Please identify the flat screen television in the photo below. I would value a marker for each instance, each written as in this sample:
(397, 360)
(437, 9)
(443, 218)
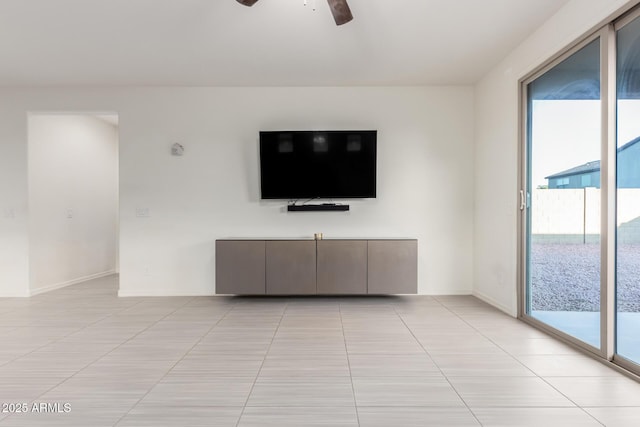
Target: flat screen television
(318, 164)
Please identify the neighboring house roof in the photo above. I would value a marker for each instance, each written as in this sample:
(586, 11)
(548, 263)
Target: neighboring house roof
(629, 144)
(578, 170)
(590, 166)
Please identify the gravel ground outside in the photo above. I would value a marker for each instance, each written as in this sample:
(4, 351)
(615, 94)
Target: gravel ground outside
(566, 277)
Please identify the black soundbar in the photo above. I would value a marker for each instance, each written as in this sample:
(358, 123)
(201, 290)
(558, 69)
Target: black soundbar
(311, 208)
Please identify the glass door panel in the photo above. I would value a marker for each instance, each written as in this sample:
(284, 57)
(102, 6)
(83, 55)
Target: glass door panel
(628, 193)
(563, 196)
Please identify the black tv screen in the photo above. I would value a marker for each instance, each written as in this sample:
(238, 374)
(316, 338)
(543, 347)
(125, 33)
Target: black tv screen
(318, 164)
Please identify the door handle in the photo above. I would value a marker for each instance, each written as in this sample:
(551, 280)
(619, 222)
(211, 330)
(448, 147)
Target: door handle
(522, 201)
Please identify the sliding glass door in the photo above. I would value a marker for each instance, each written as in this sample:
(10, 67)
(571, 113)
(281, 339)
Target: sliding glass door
(563, 195)
(628, 192)
(581, 194)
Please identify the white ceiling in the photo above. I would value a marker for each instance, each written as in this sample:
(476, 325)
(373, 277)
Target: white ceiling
(274, 43)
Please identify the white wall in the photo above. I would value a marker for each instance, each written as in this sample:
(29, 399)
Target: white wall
(73, 199)
(14, 241)
(496, 148)
(425, 174)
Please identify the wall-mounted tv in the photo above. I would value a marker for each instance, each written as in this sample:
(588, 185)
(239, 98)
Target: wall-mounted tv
(318, 164)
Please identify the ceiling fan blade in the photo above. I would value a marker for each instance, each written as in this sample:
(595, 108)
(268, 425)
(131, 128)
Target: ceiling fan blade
(340, 10)
(247, 2)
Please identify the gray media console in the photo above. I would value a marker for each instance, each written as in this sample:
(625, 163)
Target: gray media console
(311, 267)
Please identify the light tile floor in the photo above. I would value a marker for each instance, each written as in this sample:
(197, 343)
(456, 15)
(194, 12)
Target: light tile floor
(233, 361)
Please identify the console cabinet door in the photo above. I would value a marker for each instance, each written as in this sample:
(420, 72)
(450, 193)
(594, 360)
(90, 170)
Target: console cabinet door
(240, 267)
(291, 267)
(393, 267)
(342, 267)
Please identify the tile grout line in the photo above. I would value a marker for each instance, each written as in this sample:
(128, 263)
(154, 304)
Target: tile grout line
(70, 334)
(520, 362)
(120, 345)
(353, 389)
(438, 366)
(65, 336)
(178, 361)
(479, 322)
(110, 351)
(264, 359)
(41, 300)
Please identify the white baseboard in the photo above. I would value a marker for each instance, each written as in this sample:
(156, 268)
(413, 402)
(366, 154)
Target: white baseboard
(161, 294)
(14, 294)
(60, 285)
(494, 303)
(442, 292)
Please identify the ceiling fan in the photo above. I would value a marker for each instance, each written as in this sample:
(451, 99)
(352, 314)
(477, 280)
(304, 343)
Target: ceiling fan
(339, 9)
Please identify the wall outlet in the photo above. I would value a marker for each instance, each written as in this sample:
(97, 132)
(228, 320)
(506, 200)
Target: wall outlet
(143, 212)
(9, 213)
(69, 213)
(147, 271)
